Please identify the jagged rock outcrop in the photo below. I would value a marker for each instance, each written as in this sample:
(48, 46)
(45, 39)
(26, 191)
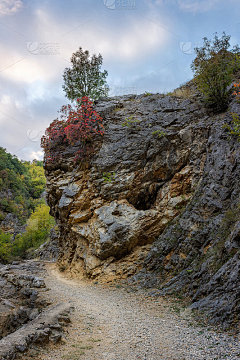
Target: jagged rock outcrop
(105, 218)
(12, 225)
(198, 255)
(26, 319)
(44, 328)
(163, 178)
(49, 250)
(20, 295)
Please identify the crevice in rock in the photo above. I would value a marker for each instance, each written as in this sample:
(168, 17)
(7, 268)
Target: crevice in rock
(72, 253)
(146, 197)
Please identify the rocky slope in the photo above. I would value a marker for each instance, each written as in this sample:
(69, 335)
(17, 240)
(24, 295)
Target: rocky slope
(27, 319)
(159, 199)
(50, 249)
(11, 225)
(20, 295)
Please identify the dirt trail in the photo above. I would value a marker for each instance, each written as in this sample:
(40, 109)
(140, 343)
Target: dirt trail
(115, 323)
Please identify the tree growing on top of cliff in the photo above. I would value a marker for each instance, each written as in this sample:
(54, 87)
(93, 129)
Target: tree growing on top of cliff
(84, 77)
(214, 68)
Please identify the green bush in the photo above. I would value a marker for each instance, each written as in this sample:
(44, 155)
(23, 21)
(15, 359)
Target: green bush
(21, 184)
(159, 133)
(5, 246)
(214, 68)
(2, 216)
(37, 232)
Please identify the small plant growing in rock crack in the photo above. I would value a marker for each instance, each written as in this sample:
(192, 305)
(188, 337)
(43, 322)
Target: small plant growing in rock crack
(94, 340)
(117, 109)
(236, 126)
(62, 268)
(108, 177)
(159, 133)
(147, 93)
(235, 129)
(237, 91)
(129, 122)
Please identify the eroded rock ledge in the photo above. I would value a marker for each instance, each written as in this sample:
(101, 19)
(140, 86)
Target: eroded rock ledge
(26, 318)
(169, 216)
(21, 300)
(46, 327)
(157, 158)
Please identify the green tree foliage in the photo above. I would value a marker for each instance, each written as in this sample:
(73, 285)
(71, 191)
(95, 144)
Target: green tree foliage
(37, 232)
(21, 184)
(37, 176)
(84, 77)
(5, 246)
(214, 68)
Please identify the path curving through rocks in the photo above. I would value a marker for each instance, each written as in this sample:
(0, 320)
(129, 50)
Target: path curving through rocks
(114, 322)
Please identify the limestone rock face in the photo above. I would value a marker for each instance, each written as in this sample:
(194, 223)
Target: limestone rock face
(142, 175)
(50, 249)
(158, 202)
(197, 255)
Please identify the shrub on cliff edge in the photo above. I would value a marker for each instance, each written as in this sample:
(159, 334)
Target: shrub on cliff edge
(214, 68)
(78, 125)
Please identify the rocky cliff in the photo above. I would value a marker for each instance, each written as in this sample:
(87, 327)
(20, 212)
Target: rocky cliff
(157, 202)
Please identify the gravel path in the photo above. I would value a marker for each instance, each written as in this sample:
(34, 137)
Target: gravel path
(115, 323)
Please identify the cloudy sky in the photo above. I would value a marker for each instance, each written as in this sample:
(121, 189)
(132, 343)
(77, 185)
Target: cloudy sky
(147, 45)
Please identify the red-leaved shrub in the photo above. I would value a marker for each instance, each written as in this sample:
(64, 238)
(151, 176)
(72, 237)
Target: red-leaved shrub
(77, 126)
(237, 90)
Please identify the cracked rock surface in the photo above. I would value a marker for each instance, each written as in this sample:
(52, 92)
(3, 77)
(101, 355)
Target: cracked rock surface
(21, 287)
(100, 219)
(26, 319)
(163, 185)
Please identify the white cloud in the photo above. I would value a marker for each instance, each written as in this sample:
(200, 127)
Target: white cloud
(153, 3)
(5, 100)
(196, 5)
(184, 5)
(139, 39)
(132, 45)
(21, 66)
(10, 7)
(38, 155)
(37, 93)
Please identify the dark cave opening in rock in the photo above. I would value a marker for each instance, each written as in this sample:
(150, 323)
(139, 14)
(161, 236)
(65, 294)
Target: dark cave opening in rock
(145, 198)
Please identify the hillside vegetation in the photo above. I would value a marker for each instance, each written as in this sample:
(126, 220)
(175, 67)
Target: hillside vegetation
(21, 185)
(25, 222)
(37, 232)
